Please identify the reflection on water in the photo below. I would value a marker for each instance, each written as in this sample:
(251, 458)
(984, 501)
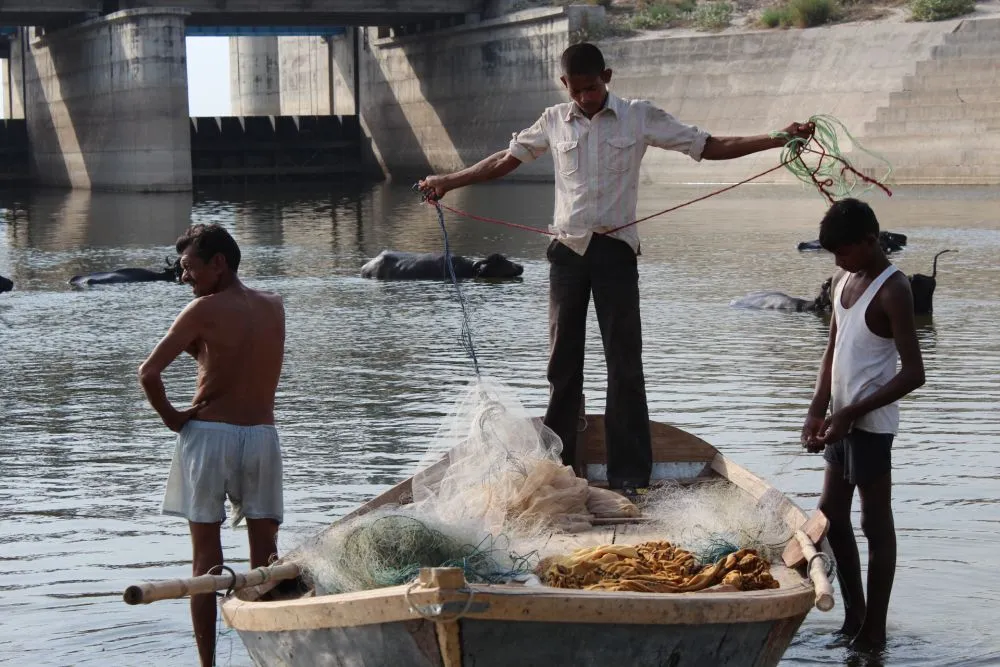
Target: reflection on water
(372, 368)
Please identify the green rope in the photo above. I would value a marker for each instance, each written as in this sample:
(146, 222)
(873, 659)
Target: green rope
(833, 175)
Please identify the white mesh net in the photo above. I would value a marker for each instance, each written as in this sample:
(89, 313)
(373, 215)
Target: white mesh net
(490, 483)
(713, 518)
(493, 463)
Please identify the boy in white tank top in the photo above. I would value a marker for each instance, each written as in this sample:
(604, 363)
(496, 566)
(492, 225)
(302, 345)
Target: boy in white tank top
(871, 328)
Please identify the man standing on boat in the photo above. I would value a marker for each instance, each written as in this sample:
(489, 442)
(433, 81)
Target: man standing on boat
(859, 382)
(598, 142)
(227, 444)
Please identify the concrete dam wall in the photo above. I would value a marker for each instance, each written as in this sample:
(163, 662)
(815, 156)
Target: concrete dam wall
(444, 100)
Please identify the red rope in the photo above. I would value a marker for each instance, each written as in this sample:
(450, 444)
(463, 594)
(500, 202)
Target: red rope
(710, 194)
(821, 185)
(483, 218)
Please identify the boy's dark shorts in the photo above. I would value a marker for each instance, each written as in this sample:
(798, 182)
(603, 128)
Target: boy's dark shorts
(864, 456)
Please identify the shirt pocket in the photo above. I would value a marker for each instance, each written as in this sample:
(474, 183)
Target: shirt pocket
(568, 156)
(620, 154)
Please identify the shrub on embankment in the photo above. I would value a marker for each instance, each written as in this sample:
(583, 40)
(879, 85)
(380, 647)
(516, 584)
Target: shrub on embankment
(713, 16)
(940, 10)
(666, 14)
(811, 13)
(626, 17)
(623, 20)
(799, 13)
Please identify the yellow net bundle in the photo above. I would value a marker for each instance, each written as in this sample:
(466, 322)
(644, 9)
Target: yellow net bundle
(653, 567)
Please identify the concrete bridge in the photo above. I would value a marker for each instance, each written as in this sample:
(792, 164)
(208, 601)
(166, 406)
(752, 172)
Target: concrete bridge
(102, 85)
(242, 12)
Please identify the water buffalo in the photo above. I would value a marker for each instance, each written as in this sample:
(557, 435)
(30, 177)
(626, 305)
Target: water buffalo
(6, 284)
(393, 265)
(889, 241)
(921, 285)
(781, 301)
(923, 289)
(171, 273)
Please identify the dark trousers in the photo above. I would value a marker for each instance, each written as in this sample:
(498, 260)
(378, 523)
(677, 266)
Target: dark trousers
(609, 270)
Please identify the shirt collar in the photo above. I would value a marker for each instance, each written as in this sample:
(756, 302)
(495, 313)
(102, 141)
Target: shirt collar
(612, 103)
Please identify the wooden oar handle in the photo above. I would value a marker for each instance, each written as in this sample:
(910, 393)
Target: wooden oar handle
(207, 583)
(824, 590)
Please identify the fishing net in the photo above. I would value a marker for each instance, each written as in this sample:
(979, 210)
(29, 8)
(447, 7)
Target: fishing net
(820, 161)
(491, 481)
(654, 567)
(388, 547)
(494, 464)
(715, 518)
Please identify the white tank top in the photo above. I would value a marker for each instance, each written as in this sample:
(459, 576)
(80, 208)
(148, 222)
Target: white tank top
(862, 361)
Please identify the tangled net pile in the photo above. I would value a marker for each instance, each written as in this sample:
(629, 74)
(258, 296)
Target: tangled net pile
(654, 567)
(715, 518)
(492, 480)
(495, 465)
(832, 174)
(493, 483)
(388, 548)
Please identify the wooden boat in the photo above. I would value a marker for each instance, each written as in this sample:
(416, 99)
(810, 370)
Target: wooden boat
(442, 621)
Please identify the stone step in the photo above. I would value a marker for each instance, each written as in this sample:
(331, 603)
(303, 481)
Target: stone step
(951, 81)
(983, 65)
(967, 94)
(926, 149)
(971, 31)
(955, 110)
(978, 25)
(943, 128)
(970, 50)
(965, 38)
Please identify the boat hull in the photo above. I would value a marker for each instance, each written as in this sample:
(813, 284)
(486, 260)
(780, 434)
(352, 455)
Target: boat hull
(442, 621)
(490, 643)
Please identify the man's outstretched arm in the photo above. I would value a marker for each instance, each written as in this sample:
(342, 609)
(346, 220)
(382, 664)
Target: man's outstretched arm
(525, 146)
(497, 165)
(728, 148)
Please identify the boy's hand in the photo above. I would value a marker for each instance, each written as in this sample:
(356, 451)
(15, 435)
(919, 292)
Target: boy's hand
(433, 187)
(835, 427)
(810, 432)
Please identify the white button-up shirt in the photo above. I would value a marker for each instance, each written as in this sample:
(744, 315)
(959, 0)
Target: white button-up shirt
(597, 162)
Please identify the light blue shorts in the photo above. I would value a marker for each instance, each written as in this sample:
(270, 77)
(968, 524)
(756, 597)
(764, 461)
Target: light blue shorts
(214, 460)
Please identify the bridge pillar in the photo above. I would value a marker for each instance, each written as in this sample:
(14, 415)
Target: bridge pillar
(106, 103)
(13, 79)
(254, 76)
(273, 76)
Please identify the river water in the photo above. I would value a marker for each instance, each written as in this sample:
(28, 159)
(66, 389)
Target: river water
(373, 368)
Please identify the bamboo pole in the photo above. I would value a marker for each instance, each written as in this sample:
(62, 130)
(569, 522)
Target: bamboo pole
(824, 591)
(207, 583)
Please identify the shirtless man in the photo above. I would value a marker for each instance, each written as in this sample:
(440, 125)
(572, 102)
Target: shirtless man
(227, 444)
(871, 329)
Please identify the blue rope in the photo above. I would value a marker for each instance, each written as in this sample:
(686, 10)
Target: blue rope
(466, 335)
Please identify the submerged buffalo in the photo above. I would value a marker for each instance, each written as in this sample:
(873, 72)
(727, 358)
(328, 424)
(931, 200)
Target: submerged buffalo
(889, 241)
(921, 285)
(170, 274)
(781, 301)
(6, 284)
(393, 265)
